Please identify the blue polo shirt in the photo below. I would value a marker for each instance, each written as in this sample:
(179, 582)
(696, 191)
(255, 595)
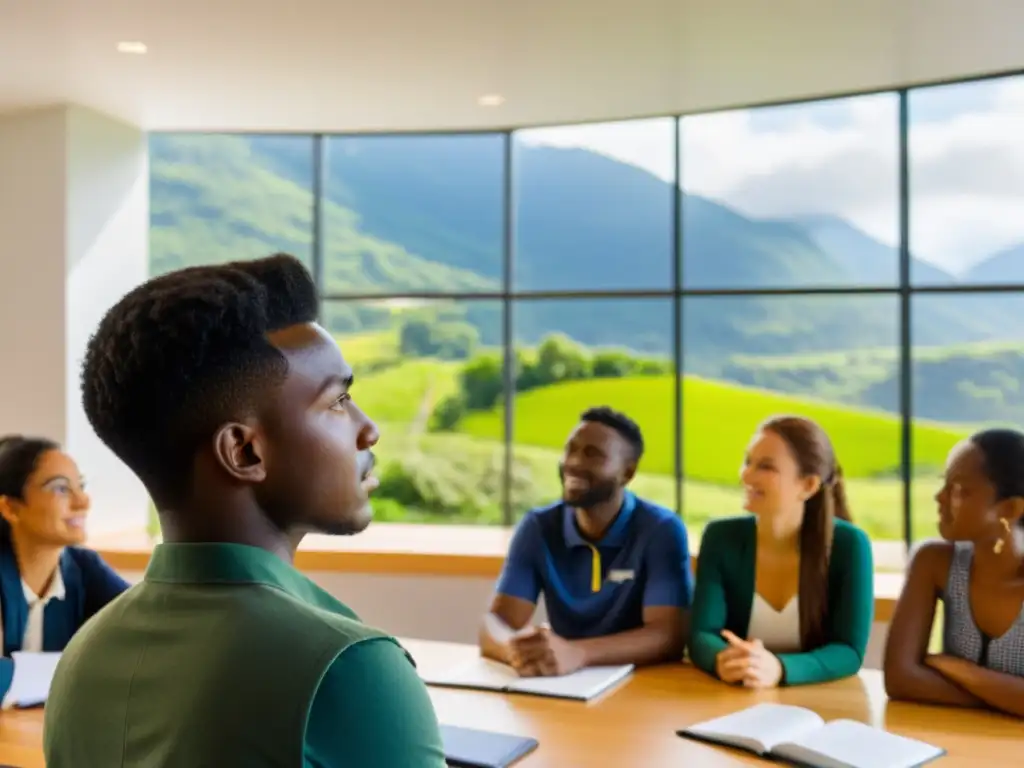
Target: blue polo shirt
(592, 589)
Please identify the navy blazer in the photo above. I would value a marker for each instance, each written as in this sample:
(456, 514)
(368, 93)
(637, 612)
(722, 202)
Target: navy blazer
(89, 584)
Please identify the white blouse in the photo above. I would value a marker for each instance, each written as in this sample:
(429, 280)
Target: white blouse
(32, 641)
(778, 630)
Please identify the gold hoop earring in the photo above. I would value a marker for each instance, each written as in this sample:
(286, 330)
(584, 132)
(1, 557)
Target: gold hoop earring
(997, 548)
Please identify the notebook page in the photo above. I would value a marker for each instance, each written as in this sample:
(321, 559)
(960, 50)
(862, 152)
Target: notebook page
(761, 726)
(33, 673)
(477, 673)
(849, 744)
(583, 684)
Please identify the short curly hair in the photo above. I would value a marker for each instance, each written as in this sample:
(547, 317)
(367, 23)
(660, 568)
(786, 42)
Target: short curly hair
(186, 352)
(621, 423)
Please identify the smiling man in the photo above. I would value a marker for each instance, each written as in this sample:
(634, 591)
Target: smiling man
(219, 390)
(614, 569)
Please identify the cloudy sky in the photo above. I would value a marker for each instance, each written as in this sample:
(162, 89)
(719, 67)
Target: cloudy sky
(840, 157)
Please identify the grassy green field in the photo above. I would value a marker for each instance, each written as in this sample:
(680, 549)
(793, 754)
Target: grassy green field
(368, 350)
(719, 418)
(406, 392)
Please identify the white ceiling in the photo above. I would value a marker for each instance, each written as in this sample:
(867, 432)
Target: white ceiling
(345, 65)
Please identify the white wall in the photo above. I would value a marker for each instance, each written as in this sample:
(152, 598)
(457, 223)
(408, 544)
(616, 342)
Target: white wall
(33, 162)
(74, 226)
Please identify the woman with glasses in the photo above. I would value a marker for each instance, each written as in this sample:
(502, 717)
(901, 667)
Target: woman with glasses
(49, 585)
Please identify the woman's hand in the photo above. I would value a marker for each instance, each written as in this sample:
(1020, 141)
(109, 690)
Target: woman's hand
(749, 662)
(731, 665)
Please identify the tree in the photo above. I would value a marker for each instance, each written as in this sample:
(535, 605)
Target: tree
(414, 338)
(612, 364)
(454, 341)
(448, 413)
(448, 340)
(481, 382)
(559, 358)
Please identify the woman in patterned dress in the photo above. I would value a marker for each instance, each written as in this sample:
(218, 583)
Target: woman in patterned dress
(977, 571)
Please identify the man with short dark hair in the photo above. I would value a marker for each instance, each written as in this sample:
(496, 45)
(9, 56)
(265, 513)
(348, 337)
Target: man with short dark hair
(614, 569)
(219, 390)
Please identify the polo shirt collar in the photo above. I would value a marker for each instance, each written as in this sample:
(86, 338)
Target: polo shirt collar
(221, 563)
(615, 536)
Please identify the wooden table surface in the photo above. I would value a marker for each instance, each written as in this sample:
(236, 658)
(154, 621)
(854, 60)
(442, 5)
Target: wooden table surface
(635, 724)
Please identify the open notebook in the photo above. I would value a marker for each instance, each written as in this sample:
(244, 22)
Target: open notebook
(470, 748)
(486, 675)
(800, 736)
(33, 673)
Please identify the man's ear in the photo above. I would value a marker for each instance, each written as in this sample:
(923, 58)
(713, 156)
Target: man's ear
(7, 510)
(630, 473)
(240, 452)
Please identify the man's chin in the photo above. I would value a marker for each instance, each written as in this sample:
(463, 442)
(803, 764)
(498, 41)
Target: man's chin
(350, 524)
(578, 500)
(572, 499)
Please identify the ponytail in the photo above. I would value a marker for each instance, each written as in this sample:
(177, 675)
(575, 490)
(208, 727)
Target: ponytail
(820, 514)
(840, 509)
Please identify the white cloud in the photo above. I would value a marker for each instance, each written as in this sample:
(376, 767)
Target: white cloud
(967, 168)
(644, 143)
(967, 178)
(805, 168)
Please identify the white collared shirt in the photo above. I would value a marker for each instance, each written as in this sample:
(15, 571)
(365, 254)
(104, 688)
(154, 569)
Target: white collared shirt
(33, 638)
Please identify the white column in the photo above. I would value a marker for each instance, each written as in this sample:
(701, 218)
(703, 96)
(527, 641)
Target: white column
(74, 237)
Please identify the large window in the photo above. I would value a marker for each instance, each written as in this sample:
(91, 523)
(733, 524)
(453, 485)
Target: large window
(700, 274)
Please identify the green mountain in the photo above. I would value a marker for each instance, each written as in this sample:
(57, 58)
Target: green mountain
(214, 199)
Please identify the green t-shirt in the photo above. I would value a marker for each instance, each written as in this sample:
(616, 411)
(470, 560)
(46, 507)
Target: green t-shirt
(226, 655)
(388, 717)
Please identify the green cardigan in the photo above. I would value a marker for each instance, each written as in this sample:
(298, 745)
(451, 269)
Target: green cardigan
(725, 593)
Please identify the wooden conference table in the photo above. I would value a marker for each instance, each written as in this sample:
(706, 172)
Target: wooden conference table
(635, 724)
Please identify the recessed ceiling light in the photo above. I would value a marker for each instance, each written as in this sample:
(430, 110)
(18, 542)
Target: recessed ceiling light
(131, 47)
(491, 100)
